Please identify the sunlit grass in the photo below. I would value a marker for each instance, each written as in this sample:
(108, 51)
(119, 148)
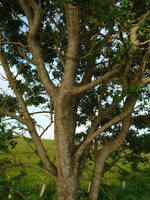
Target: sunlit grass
(24, 152)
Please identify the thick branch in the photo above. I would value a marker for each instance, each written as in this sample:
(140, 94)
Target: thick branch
(92, 135)
(13, 82)
(133, 33)
(92, 84)
(102, 155)
(102, 115)
(38, 58)
(25, 57)
(73, 28)
(40, 65)
(34, 24)
(12, 115)
(145, 42)
(37, 12)
(145, 81)
(29, 122)
(26, 8)
(96, 133)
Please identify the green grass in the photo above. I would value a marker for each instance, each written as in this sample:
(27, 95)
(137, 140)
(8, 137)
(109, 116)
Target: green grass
(24, 151)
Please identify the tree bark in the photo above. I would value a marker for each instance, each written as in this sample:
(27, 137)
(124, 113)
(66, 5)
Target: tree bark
(64, 147)
(66, 188)
(102, 156)
(65, 109)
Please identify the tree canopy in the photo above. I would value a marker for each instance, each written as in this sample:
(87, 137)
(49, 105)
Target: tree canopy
(85, 64)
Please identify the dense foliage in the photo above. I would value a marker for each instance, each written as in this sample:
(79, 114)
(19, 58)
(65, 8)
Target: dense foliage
(85, 65)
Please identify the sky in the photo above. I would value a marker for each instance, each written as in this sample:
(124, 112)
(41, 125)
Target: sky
(42, 119)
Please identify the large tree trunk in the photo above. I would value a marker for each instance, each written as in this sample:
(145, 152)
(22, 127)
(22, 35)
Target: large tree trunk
(65, 109)
(66, 187)
(64, 146)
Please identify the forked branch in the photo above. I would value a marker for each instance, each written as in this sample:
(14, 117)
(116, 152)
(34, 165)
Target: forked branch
(105, 77)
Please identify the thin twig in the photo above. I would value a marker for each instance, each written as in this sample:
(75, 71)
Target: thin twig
(30, 165)
(46, 129)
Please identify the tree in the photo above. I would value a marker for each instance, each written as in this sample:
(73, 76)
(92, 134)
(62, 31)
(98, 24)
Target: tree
(84, 63)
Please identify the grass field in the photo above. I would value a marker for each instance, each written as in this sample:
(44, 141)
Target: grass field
(24, 151)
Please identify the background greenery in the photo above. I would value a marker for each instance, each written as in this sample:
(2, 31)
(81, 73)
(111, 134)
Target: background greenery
(26, 183)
